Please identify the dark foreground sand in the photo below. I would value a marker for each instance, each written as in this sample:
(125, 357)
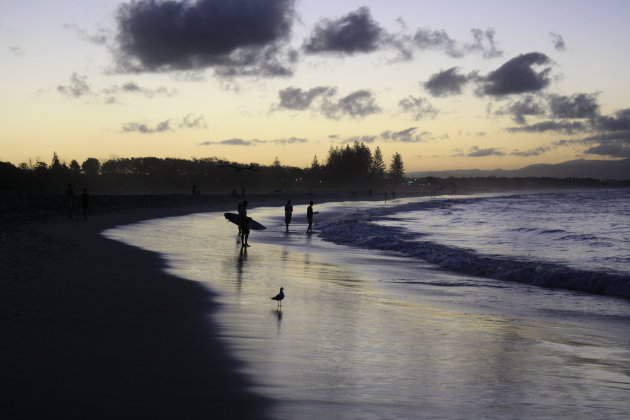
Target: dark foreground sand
(91, 328)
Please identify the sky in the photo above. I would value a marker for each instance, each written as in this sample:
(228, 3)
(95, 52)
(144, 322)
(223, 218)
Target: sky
(447, 84)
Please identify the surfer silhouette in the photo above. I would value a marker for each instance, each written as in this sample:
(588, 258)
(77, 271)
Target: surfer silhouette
(288, 212)
(244, 224)
(309, 217)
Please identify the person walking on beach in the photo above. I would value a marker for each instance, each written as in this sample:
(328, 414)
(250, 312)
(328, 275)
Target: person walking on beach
(288, 212)
(309, 217)
(69, 198)
(244, 223)
(85, 201)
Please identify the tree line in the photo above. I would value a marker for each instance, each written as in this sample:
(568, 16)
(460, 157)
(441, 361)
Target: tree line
(350, 166)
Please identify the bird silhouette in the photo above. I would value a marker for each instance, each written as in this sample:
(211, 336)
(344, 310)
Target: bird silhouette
(279, 297)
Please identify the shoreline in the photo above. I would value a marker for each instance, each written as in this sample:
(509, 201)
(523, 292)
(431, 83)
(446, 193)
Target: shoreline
(94, 328)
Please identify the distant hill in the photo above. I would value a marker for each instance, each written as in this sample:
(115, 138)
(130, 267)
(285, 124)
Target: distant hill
(597, 169)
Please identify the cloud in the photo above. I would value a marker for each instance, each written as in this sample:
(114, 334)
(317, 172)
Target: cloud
(357, 32)
(291, 140)
(615, 145)
(580, 105)
(418, 107)
(531, 152)
(298, 99)
(611, 150)
(16, 51)
(359, 139)
(190, 121)
(133, 88)
(428, 39)
(528, 105)
(101, 37)
(137, 127)
(568, 127)
(353, 33)
(357, 104)
(253, 142)
(233, 36)
(558, 41)
(447, 82)
(475, 151)
(619, 122)
(483, 43)
(407, 135)
(77, 87)
(518, 75)
(612, 139)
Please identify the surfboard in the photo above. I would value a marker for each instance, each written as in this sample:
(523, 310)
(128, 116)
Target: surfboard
(251, 223)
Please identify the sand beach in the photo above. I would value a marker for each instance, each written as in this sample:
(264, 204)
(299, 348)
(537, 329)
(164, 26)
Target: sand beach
(92, 328)
(171, 317)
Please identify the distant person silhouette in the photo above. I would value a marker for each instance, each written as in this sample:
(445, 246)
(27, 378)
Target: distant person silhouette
(309, 217)
(244, 222)
(288, 213)
(69, 199)
(85, 202)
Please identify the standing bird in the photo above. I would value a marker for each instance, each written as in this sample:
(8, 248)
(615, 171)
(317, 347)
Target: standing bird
(279, 297)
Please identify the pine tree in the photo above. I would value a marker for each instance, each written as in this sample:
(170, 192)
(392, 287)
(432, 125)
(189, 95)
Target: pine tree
(397, 169)
(378, 165)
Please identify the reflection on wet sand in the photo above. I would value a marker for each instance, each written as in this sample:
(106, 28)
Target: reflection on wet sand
(354, 341)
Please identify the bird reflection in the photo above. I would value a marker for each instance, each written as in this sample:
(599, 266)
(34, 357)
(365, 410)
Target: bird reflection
(278, 314)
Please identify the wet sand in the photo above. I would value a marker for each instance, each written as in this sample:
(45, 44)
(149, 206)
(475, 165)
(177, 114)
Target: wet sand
(92, 328)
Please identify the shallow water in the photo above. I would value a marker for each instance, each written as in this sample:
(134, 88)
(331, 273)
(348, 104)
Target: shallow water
(364, 334)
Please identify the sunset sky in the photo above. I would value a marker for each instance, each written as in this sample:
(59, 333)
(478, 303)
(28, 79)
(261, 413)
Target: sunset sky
(447, 84)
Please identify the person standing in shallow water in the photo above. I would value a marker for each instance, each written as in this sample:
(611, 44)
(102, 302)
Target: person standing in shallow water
(309, 217)
(69, 198)
(244, 223)
(85, 202)
(288, 213)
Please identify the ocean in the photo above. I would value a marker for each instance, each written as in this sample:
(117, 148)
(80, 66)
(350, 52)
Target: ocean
(503, 306)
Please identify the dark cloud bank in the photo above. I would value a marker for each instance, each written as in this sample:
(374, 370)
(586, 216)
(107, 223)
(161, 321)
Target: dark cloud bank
(236, 36)
(522, 74)
(356, 32)
(251, 37)
(522, 81)
(608, 135)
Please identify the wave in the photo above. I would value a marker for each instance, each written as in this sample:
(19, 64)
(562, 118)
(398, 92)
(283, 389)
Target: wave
(360, 231)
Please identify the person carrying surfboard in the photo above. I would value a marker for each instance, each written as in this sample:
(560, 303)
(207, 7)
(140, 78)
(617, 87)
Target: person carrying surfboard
(244, 224)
